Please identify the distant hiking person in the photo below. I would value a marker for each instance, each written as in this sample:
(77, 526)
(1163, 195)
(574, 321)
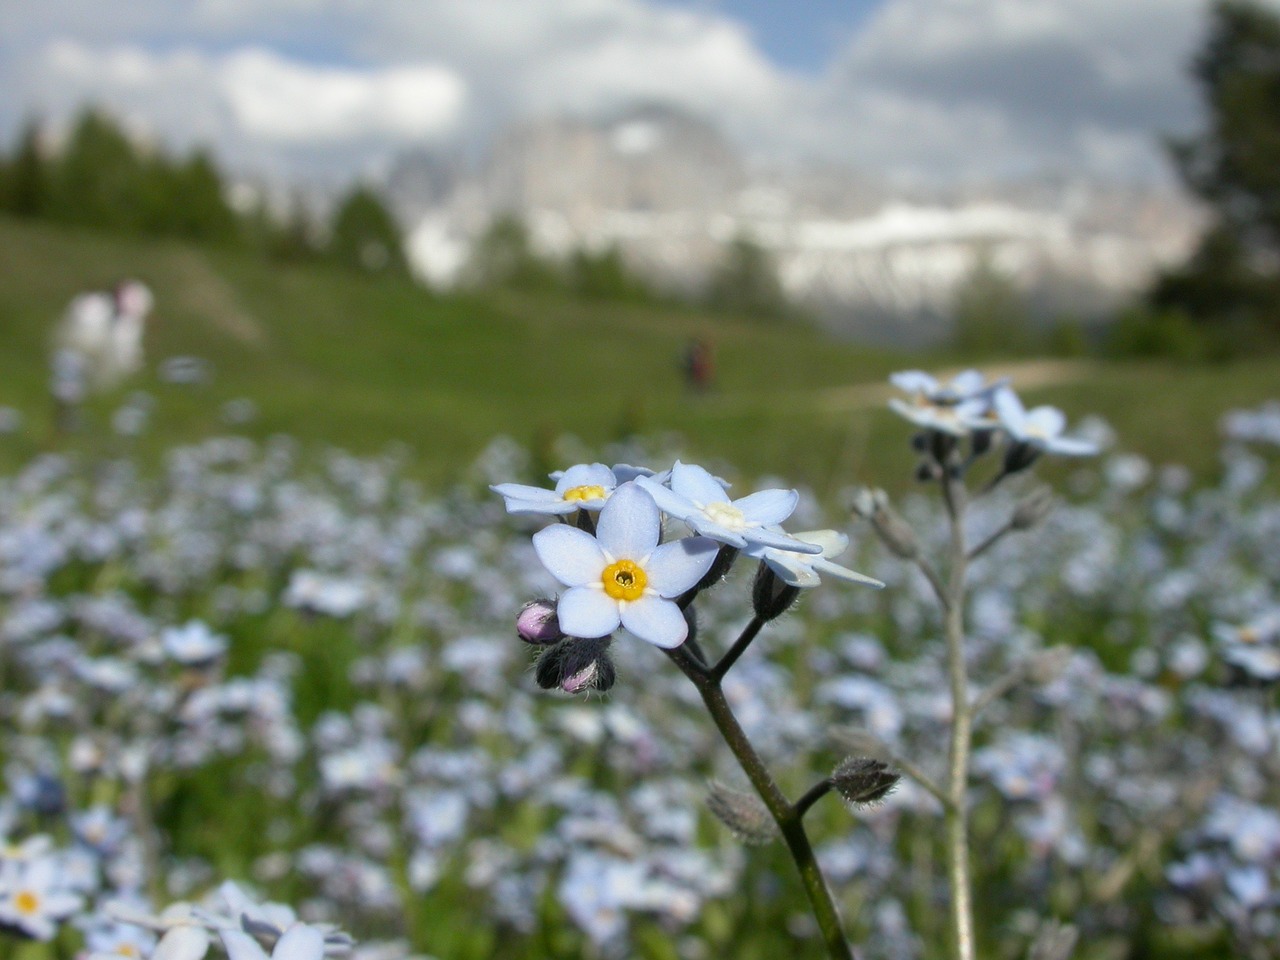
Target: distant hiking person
(97, 344)
(699, 366)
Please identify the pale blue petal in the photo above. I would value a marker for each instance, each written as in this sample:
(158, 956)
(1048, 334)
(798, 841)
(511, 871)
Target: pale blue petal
(587, 612)
(844, 573)
(189, 943)
(781, 541)
(668, 501)
(716, 532)
(585, 475)
(694, 483)
(300, 942)
(1010, 410)
(630, 524)
(658, 621)
(570, 555)
(791, 569)
(967, 383)
(1071, 447)
(676, 566)
(1044, 423)
(241, 946)
(766, 507)
(914, 381)
(522, 498)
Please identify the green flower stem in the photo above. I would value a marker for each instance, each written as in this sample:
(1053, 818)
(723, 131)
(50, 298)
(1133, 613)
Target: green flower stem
(739, 647)
(788, 817)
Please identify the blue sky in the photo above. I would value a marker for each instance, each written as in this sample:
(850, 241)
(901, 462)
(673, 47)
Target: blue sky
(933, 89)
(801, 36)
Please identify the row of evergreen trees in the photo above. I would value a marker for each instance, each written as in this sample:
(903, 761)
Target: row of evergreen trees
(101, 178)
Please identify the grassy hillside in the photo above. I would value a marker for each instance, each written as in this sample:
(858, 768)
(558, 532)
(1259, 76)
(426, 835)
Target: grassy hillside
(336, 358)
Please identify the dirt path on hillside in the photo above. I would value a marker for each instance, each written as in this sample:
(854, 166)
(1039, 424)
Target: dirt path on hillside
(1026, 374)
(205, 292)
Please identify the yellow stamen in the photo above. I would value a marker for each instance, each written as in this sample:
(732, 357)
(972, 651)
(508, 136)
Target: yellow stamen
(26, 902)
(590, 492)
(624, 580)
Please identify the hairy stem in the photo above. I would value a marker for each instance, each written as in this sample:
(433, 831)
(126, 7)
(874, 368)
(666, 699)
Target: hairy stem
(788, 817)
(957, 826)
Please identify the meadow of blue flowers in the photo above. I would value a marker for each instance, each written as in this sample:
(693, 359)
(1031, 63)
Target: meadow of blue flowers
(270, 703)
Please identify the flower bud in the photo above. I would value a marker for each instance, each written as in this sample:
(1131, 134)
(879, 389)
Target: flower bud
(1019, 456)
(895, 533)
(1032, 509)
(770, 595)
(743, 813)
(863, 781)
(576, 665)
(719, 567)
(538, 623)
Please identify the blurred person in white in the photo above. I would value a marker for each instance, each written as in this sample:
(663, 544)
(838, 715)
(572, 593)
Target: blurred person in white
(96, 345)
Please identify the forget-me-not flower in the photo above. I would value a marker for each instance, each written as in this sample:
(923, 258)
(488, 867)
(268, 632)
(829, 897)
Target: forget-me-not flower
(700, 500)
(622, 575)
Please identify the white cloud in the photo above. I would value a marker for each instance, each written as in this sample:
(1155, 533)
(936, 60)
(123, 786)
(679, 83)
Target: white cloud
(251, 102)
(928, 87)
(277, 99)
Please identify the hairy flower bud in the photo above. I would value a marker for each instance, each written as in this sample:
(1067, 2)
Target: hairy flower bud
(863, 780)
(770, 595)
(894, 532)
(576, 665)
(1033, 509)
(743, 813)
(537, 622)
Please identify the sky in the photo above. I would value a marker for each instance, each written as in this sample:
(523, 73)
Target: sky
(915, 89)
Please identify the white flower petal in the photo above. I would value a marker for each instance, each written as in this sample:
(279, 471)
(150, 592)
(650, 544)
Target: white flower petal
(967, 383)
(832, 542)
(716, 531)
(184, 943)
(676, 566)
(570, 555)
(630, 524)
(300, 942)
(766, 507)
(1009, 409)
(1045, 423)
(694, 483)
(587, 612)
(1071, 447)
(240, 946)
(660, 622)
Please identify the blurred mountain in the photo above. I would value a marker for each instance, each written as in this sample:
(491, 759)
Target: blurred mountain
(670, 192)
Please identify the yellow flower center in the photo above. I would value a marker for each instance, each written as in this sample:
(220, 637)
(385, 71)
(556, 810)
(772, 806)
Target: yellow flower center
(27, 902)
(589, 492)
(624, 580)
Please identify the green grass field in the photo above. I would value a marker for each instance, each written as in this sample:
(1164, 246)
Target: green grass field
(335, 358)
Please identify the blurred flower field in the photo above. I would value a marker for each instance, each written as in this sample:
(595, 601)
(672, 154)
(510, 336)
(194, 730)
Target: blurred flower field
(304, 677)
